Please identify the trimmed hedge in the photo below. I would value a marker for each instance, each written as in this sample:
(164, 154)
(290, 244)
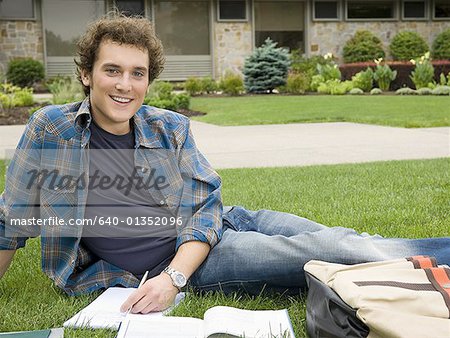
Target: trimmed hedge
(408, 45)
(363, 46)
(403, 69)
(441, 46)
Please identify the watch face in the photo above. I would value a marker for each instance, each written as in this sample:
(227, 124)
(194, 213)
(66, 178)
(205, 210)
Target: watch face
(179, 280)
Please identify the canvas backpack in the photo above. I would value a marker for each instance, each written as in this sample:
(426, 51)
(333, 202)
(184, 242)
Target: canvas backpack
(407, 298)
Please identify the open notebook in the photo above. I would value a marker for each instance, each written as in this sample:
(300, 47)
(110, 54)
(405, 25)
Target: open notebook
(219, 321)
(104, 311)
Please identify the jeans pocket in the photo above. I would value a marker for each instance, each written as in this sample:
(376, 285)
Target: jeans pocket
(238, 219)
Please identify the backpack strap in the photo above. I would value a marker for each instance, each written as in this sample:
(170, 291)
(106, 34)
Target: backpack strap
(440, 279)
(423, 262)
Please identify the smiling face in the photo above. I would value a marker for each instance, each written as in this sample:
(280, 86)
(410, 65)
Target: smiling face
(117, 85)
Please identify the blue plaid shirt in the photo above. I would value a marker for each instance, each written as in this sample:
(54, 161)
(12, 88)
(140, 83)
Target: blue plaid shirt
(58, 128)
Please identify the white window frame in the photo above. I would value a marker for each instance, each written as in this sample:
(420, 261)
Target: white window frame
(433, 11)
(394, 18)
(232, 20)
(426, 14)
(34, 18)
(339, 11)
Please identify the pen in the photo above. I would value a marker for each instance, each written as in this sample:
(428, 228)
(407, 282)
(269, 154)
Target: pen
(144, 278)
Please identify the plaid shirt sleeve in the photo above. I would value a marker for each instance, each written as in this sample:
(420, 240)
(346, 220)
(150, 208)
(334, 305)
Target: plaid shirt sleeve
(16, 197)
(206, 202)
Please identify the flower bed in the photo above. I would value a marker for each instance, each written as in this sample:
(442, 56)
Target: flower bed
(403, 68)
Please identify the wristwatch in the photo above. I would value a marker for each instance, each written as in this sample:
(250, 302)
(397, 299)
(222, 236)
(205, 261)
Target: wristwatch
(178, 278)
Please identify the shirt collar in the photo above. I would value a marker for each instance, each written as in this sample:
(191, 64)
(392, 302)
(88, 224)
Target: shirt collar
(83, 117)
(145, 135)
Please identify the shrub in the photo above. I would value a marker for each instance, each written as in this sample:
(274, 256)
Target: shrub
(161, 95)
(231, 84)
(424, 91)
(161, 89)
(356, 91)
(423, 74)
(335, 87)
(384, 75)
(208, 85)
(444, 80)
(329, 72)
(408, 45)
(23, 98)
(363, 80)
(376, 91)
(297, 83)
(315, 82)
(14, 96)
(65, 90)
(363, 46)
(441, 90)
(441, 46)
(25, 72)
(182, 101)
(267, 68)
(193, 86)
(301, 64)
(405, 91)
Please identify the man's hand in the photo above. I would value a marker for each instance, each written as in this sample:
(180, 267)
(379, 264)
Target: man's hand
(156, 294)
(6, 257)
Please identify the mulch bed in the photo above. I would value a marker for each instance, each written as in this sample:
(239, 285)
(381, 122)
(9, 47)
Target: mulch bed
(20, 115)
(16, 115)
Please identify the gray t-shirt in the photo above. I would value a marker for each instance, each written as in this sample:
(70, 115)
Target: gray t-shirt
(124, 242)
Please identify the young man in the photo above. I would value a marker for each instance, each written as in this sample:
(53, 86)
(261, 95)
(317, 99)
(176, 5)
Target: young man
(215, 248)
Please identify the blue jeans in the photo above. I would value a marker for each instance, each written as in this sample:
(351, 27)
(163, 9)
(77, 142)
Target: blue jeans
(266, 250)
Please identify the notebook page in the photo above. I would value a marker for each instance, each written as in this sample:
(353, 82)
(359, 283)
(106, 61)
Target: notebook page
(247, 323)
(164, 327)
(104, 311)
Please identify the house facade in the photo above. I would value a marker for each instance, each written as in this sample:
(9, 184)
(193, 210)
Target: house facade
(210, 37)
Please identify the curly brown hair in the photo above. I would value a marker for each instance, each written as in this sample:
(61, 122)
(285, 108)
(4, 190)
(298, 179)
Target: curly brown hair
(116, 27)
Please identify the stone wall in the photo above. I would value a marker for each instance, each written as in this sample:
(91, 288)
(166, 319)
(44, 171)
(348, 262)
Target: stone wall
(232, 43)
(330, 37)
(20, 39)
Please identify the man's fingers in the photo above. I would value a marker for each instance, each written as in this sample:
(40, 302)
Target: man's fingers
(149, 308)
(132, 300)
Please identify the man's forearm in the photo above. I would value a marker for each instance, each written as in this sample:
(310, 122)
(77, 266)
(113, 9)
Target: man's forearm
(189, 257)
(6, 257)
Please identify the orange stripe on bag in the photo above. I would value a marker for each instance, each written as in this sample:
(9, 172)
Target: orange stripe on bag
(439, 278)
(442, 278)
(423, 262)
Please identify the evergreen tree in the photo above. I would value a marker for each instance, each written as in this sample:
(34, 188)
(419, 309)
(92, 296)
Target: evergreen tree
(266, 68)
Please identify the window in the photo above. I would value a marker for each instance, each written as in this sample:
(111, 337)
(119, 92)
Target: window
(183, 26)
(281, 21)
(61, 35)
(326, 10)
(370, 10)
(17, 9)
(131, 7)
(441, 9)
(235, 10)
(414, 10)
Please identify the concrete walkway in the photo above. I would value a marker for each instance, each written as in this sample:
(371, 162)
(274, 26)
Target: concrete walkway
(301, 144)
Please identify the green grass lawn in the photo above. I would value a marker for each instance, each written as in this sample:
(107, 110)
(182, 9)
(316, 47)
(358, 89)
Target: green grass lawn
(399, 198)
(398, 111)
